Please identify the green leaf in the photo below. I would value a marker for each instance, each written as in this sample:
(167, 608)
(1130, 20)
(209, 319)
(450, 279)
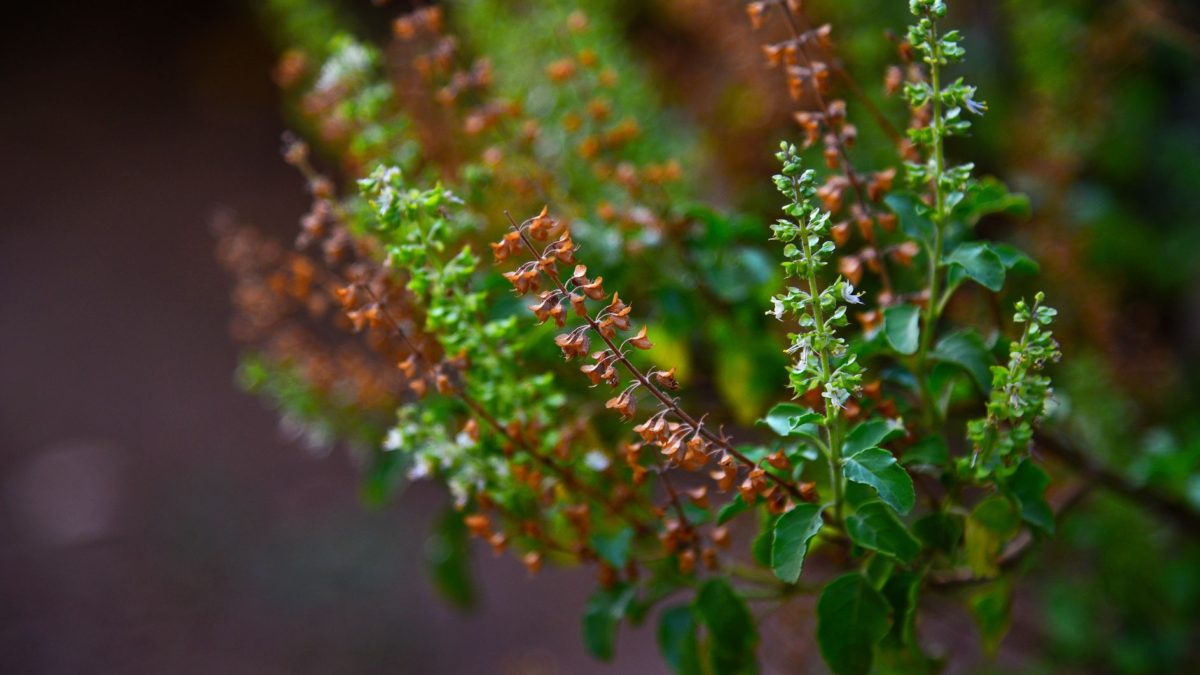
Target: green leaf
(1014, 259)
(604, 611)
(1028, 485)
(991, 524)
(760, 546)
(785, 418)
(732, 634)
(677, 640)
(965, 349)
(871, 433)
(901, 591)
(991, 607)
(901, 325)
(978, 261)
(875, 526)
(940, 531)
(877, 468)
(448, 554)
(852, 617)
(929, 451)
(731, 509)
(911, 212)
(789, 544)
(879, 569)
(988, 196)
(614, 548)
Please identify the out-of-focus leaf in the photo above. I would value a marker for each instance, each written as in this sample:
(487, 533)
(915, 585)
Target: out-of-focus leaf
(901, 591)
(991, 524)
(965, 348)
(448, 556)
(1028, 485)
(614, 548)
(991, 607)
(939, 531)
(603, 614)
(929, 451)
(733, 637)
(852, 617)
(731, 509)
(913, 215)
(1015, 260)
(677, 640)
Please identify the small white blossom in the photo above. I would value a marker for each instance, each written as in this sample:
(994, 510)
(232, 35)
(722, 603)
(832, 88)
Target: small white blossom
(849, 295)
(394, 440)
(596, 460)
(777, 308)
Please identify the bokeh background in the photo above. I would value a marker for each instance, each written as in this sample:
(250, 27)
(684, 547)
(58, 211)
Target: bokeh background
(155, 519)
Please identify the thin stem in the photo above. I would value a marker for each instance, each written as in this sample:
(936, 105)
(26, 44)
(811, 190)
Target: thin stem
(636, 373)
(567, 477)
(832, 418)
(932, 305)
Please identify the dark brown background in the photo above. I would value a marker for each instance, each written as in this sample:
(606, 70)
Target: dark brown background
(153, 520)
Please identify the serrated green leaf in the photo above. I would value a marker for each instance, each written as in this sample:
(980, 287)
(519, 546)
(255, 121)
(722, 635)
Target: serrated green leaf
(785, 418)
(902, 327)
(877, 468)
(870, 434)
(733, 637)
(789, 543)
(1028, 486)
(978, 261)
(677, 640)
(852, 617)
(601, 617)
(965, 349)
(875, 526)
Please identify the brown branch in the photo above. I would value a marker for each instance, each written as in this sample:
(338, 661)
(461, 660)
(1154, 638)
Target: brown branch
(667, 402)
(569, 479)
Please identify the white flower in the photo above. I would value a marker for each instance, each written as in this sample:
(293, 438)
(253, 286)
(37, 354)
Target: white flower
(849, 296)
(394, 440)
(421, 469)
(596, 460)
(836, 395)
(777, 308)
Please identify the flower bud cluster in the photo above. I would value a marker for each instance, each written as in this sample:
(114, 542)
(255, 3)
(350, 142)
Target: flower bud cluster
(819, 353)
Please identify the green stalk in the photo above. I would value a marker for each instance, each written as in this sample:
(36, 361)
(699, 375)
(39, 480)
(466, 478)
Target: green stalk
(833, 421)
(932, 306)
